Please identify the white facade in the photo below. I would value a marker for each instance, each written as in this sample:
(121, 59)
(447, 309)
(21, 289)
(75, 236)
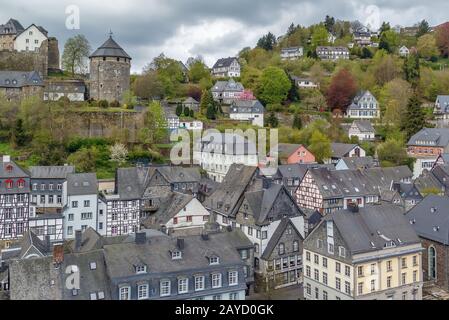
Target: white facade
(422, 164)
(233, 70)
(80, 212)
(192, 216)
(404, 51)
(306, 84)
(191, 125)
(29, 40)
(122, 216)
(292, 53)
(256, 119)
(354, 131)
(48, 226)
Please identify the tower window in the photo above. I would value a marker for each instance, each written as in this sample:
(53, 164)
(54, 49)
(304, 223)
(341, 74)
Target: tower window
(118, 59)
(104, 58)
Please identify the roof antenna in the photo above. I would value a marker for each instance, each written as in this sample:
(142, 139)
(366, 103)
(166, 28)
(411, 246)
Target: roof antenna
(110, 33)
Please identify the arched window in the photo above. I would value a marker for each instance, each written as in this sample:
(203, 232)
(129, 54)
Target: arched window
(432, 253)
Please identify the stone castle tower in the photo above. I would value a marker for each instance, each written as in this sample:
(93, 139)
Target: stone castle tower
(110, 69)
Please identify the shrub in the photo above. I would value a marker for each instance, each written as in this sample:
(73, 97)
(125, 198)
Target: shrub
(103, 104)
(114, 104)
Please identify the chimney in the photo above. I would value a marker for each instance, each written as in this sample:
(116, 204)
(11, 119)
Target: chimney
(6, 158)
(180, 243)
(58, 255)
(353, 207)
(141, 237)
(78, 237)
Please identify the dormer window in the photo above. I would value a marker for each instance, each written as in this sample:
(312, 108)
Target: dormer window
(9, 168)
(141, 269)
(214, 260)
(9, 184)
(176, 255)
(21, 183)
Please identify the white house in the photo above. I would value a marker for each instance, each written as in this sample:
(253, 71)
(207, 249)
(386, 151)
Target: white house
(226, 67)
(248, 110)
(216, 152)
(305, 83)
(30, 39)
(49, 225)
(292, 53)
(441, 110)
(362, 129)
(80, 199)
(227, 92)
(363, 106)
(404, 51)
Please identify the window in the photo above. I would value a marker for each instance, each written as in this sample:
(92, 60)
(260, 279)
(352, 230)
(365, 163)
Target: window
(59, 187)
(316, 275)
(373, 268)
(317, 293)
(244, 254)
(338, 283)
(337, 267)
(342, 251)
(175, 220)
(404, 263)
(199, 283)
(307, 256)
(42, 199)
(86, 203)
(324, 295)
(233, 296)
(216, 280)
(373, 285)
(281, 248)
(125, 293)
(389, 266)
(142, 291)
(319, 243)
(360, 288)
(214, 260)
(360, 271)
(183, 285)
(42, 186)
(233, 278)
(189, 218)
(308, 271)
(325, 278)
(347, 271)
(176, 255)
(69, 231)
(347, 287)
(330, 248)
(71, 217)
(216, 297)
(165, 288)
(316, 259)
(415, 276)
(9, 184)
(141, 269)
(21, 184)
(324, 262)
(308, 289)
(295, 246)
(403, 278)
(59, 199)
(74, 204)
(50, 199)
(404, 295)
(86, 216)
(389, 282)
(51, 230)
(415, 261)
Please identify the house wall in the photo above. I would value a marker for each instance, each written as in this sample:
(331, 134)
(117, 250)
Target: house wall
(78, 223)
(257, 119)
(29, 40)
(51, 227)
(442, 271)
(195, 210)
(122, 216)
(302, 155)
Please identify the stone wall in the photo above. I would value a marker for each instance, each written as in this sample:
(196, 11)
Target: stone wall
(109, 78)
(442, 262)
(26, 61)
(53, 54)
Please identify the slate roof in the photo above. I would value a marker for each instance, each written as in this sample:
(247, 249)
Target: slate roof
(340, 150)
(430, 218)
(82, 184)
(373, 227)
(277, 234)
(443, 100)
(169, 208)
(434, 137)
(354, 163)
(427, 180)
(328, 48)
(291, 50)
(38, 279)
(230, 192)
(224, 62)
(227, 86)
(110, 49)
(51, 172)
(247, 106)
(40, 28)
(285, 150)
(130, 182)
(357, 100)
(175, 174)
(407, 191)
(13, 26)
(364, 125)
(155, 253)
(19, 79)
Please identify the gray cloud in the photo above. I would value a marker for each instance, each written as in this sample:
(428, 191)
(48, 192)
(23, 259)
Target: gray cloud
(211, 28)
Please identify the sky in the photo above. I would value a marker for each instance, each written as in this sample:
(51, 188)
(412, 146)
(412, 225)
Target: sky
(210, 28)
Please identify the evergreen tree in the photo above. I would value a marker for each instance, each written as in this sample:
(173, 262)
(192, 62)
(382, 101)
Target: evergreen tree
(329, 23)
(272, 121)
(384, 44)
(291, 29)
(19, 137)
(293, 94)
(206, 100)
(366, 53)
(385, 27)
(186, 112)
(411, 69)
(192, 114)
(211, 113)
(414, 119)
(423, 28)
(179, 109)
(267, 42)
(297, 122)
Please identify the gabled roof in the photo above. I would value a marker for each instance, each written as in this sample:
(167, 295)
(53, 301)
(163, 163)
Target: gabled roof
(110, 49)
(82, 184)
(354, 163)
(274, 240)
(129, 182)
(285, 150)
(430, 218)
(19, 79)
(12, 170)
(224, 62)
(51, 172)
(373, 227)
(247, 106)
(40, 28)
(11, 27)
(443, 101)
(230, 85)
(340, 150)
(364, 125)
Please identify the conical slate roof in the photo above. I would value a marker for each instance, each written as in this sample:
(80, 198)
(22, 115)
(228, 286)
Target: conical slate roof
(110, 49)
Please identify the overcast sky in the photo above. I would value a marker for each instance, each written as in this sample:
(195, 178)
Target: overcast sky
(210, 28)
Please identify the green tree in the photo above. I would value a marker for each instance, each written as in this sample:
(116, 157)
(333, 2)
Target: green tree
(389, 41)
(320, 37)
(392, 153)
(169, 72)
(366, 53)
(427, 46)
(411, 69)
(320, 146)
(423, 28)
(267, 42)
(19, 137)
(85, 159)
(414, 119)
(206, 100)
(75, 55)
(186, 111)
(272, 120)
(274, 86)
(211, 113)
(198, 71)
(329, 23)
(297, 122)
(148, 86)
(179, 109)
